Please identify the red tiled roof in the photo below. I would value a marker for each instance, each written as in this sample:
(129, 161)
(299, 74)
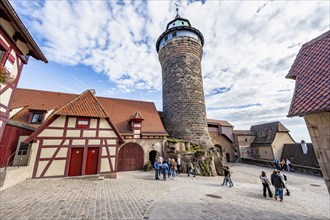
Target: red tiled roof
(311, 70)
(120, 111)
(85, 105)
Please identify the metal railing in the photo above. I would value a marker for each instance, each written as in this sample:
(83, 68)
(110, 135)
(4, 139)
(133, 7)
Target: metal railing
(21, 153)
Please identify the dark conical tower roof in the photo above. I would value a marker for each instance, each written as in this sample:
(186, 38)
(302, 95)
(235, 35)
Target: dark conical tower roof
(179, 24)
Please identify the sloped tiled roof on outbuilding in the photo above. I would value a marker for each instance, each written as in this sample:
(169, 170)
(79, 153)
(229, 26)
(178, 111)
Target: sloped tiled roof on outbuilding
(295, 154)
(265, 133)
(311, 70)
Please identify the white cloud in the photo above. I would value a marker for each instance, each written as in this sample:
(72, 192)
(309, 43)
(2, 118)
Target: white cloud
(249, 47)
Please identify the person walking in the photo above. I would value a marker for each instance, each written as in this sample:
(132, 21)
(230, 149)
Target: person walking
(265, 183)
(278, 183)
(191, 169)
(288, 165)
(173, 169)
(156, 166)
(227, 178)
(160, 165)
(178, 163)
(165, 170)
(284, 179)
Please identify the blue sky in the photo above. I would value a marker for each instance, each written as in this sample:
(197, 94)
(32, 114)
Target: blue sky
(109, 46)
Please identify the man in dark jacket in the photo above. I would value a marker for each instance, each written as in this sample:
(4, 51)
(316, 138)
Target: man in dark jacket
(278, 183)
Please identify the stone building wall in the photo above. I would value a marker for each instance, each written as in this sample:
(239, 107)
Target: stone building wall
(184, 114)
(226, 146)
(319, 129)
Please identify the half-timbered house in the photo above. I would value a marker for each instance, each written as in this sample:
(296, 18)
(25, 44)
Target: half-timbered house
(83, 134)
(16, 46)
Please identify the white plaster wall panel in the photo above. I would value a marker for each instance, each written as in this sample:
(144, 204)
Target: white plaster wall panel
(63, 152)
(113, 162)
(105, 166)
(93, 123)
(111, 141)
(48, 113)
(66, 142)
(34, 150)
(112, 150)
(94, 142)
(41, 167)
(8, 28)
(104, 123)
(14, 111)
(59, 122)
(6, 96)
(109, 133)
(47, 152)
(89, 133)
(51, 133)
(104, 151)
(56, 168)
(73, 133)
(137, 131)
(136, 136)
(14, 69)
(72, 123)
(22, 46)
(78, 142)
(51, 142)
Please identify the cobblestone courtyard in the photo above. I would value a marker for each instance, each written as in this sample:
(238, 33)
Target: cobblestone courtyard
(136, 195)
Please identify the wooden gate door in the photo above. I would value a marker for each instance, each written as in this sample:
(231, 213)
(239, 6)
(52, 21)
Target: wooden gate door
(76, 161)
(92, 160)
(130, 157)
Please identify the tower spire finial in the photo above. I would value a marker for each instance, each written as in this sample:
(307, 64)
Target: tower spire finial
(177, 9)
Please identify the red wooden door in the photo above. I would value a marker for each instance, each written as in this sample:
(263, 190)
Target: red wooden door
(130, 157)
(76, 161)
(92, 160)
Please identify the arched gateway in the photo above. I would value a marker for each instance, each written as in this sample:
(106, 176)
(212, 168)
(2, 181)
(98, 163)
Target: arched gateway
(130, 157)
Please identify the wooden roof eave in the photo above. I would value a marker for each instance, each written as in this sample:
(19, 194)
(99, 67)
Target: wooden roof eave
(20, 27)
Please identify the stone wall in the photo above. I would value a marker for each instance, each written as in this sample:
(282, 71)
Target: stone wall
(184, 114)
(318, 125)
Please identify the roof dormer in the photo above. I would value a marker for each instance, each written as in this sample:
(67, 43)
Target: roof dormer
(36, 116)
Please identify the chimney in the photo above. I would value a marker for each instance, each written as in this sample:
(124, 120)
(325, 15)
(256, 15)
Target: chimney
(92, 91)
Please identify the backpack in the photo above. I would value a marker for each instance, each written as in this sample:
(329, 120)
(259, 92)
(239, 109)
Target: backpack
(285, 177)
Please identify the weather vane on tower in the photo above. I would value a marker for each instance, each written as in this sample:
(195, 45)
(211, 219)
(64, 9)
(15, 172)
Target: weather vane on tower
(177, 8)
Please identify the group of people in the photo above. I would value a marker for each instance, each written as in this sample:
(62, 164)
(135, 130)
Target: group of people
(278, 181)
(170, 168)
(283, 164)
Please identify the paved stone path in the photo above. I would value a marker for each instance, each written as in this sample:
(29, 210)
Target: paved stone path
(136, 195)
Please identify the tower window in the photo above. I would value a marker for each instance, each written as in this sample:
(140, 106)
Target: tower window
(174, 34)
(166, 38)
(182, 22)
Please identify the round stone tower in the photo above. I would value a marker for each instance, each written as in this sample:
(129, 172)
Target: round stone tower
(180, 50)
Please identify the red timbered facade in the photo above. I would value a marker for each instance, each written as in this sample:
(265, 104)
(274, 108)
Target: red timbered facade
(76, 141)
(16, 46)
(83, 134)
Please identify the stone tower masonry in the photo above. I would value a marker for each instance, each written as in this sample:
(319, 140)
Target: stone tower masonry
(180, 50)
